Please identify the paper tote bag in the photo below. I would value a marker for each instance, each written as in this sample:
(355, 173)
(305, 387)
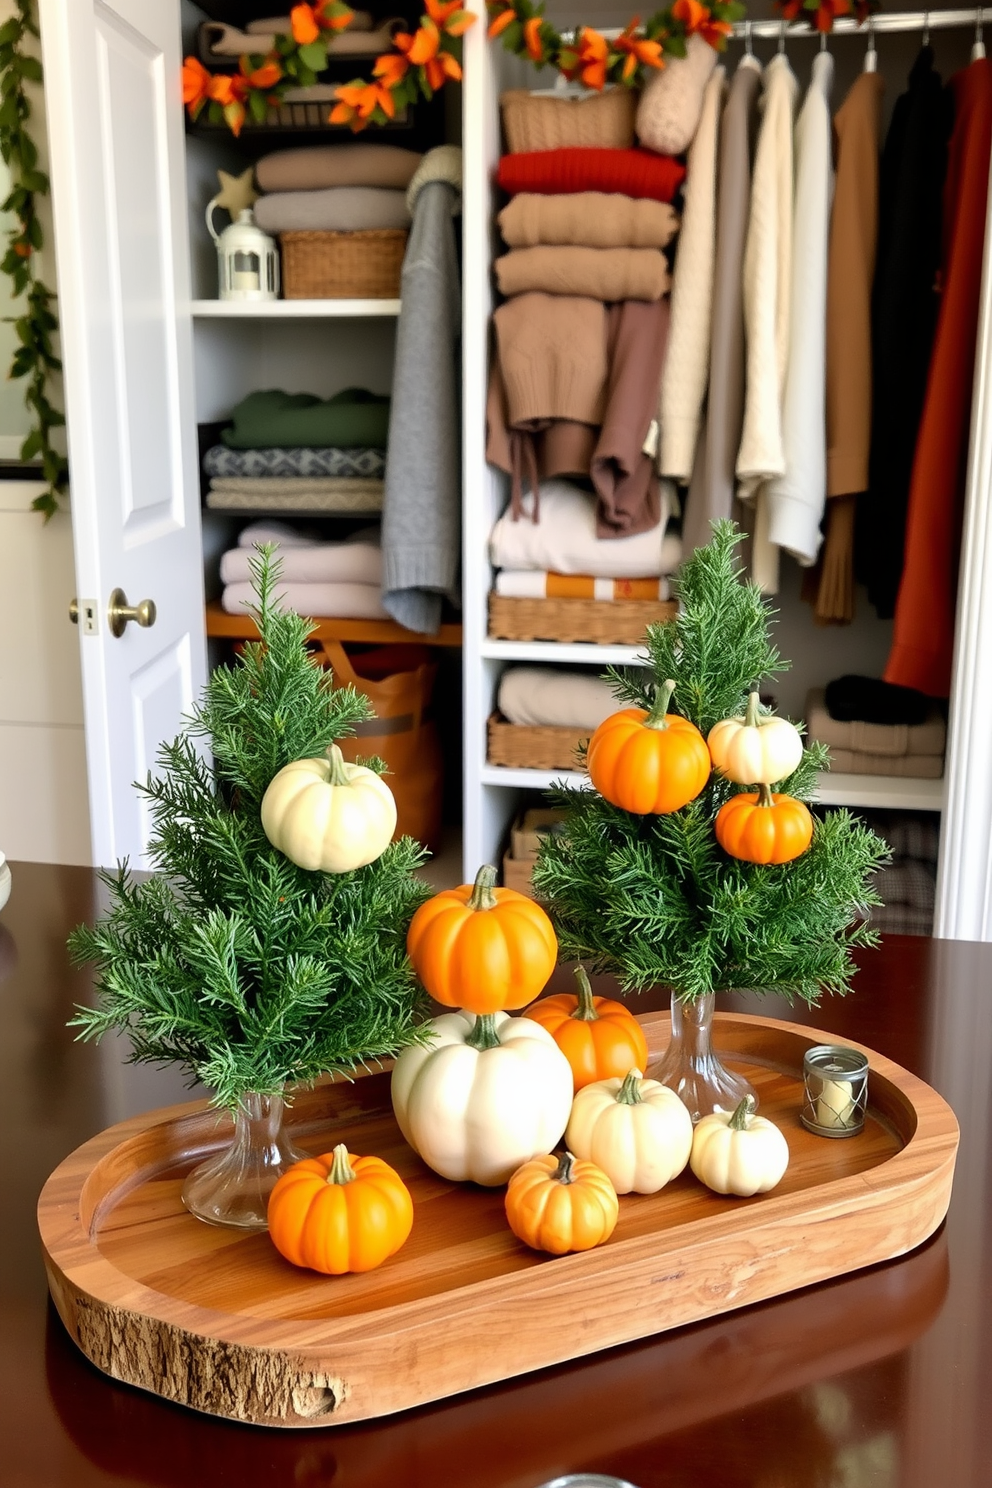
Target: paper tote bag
(399, 683)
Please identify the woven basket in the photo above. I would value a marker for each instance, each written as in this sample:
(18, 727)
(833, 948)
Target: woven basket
(536, 122)
(342, 265)
(601, 622)
(524, 746)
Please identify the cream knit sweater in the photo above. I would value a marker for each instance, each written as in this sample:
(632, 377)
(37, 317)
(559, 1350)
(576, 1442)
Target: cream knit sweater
(767, 290)
(796, 499)
(683, 383)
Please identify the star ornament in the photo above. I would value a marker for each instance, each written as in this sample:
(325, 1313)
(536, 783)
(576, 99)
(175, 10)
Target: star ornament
(236, 192)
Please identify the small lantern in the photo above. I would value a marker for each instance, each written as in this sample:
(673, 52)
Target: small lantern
(247, 258)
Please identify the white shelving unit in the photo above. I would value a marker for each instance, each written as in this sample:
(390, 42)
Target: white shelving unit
(492, 794)
(293, 309)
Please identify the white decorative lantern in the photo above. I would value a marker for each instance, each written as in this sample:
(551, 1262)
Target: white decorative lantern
(247, 259)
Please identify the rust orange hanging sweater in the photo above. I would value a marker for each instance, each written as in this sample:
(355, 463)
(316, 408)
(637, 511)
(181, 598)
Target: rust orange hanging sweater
(923, 638)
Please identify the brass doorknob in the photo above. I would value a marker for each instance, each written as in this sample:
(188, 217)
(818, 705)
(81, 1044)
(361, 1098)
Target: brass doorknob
(119, 612)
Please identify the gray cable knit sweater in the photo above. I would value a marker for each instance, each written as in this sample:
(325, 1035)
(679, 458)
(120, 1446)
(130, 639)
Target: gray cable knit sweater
(421, 518)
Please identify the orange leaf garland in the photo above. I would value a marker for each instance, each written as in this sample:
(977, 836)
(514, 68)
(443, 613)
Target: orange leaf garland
(303, 20)
(638, 49)
(196, 85)
(499, 25)
(593, 54)
(390, 69)
(532, 39)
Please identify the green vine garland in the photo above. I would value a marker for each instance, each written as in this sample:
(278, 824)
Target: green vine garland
(35, 327)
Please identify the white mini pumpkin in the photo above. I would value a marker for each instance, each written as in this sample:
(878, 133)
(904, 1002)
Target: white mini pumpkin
(486, 1095)
(736, 1152)
(328, 815)
(758, 749)
(636, 1130)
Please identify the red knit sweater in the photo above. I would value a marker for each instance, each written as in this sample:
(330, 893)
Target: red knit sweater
(638, 173)
(923, 638)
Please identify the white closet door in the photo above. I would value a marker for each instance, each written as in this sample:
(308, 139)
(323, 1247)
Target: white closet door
(115, 122)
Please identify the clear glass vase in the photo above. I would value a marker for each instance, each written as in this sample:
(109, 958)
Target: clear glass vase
(690, 1066)
(233, 1187)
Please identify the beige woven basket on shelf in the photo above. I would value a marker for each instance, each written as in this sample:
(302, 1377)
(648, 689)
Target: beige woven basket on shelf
(342, 265)
(525, 746)
(601, 622)
(534, 121)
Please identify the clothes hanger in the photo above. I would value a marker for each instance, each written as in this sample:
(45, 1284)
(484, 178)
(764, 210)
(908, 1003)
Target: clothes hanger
(925, 39)
(781, 38)
(871, 56)
(978, 49)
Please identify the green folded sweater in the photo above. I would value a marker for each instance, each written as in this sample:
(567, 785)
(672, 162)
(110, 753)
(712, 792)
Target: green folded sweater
(353, 418)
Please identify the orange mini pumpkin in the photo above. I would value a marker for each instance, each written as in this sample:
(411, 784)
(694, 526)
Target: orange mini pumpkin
(759, 827)
(599, 1038)
(562, 1204)
(482, 948)
(338, 1213)
(651, 762)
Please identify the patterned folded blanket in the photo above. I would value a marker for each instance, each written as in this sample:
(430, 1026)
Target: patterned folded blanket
(299, 461)
(341, 496)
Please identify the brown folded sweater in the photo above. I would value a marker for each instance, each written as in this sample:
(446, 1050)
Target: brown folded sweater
(623, 475)
(588, 219)
(552, 352)
(317, 166)
(594, 273)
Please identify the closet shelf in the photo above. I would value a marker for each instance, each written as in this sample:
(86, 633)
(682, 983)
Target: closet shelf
(563, 651)
(881, 792)
(221, 625)
(293, 309)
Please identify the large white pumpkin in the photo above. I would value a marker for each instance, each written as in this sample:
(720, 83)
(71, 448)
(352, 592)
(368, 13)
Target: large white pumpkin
(477, 1114)
(636, 1130)
(758, 749)
(328, 815)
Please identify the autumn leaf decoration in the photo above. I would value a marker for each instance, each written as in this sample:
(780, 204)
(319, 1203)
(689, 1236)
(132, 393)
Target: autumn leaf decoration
(821, 14)
(590, 58)
(421, 63)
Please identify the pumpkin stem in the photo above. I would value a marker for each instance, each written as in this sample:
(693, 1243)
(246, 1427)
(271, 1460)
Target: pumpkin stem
(585, 1012)
(341, 1169)
(483, 1034)
(662, 698)
(751, 716)
(482, 894)
(338, 774)
(742, 1116)
(765, 795)
(563, 1172)
(629, 1093)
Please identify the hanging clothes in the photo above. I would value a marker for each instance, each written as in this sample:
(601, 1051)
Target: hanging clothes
(622, 473)
(767, 286)
(904, 316)
(683, 386)
(711, 491)
(923, 638)
(795, 498)
(850, 272)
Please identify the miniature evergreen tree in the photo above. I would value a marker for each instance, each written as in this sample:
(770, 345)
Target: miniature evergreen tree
(249, 971)
(655, 899)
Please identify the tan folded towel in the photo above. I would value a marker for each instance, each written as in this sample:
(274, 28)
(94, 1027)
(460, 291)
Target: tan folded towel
(317, 563)
(905, 766)
(258, 37)
(545, 697)
(538, 121)
(588, 219)
(594, 273)
(342, 601)
(335, 209)
(314, 167)
(887, 740)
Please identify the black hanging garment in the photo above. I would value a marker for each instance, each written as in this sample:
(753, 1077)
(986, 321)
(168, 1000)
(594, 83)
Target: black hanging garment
(905, 302)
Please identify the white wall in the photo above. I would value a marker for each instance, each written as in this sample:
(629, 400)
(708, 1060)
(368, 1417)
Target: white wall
(44, 811)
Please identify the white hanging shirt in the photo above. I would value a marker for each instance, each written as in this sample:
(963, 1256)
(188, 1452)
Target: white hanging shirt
(796, 499)
(767, 290)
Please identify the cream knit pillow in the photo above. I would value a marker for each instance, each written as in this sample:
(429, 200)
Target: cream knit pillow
(672, 100)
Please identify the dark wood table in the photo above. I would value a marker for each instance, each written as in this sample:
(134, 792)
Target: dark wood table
(879, 1380)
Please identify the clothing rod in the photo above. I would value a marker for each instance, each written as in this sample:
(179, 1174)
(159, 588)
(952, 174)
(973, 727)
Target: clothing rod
(905, 20)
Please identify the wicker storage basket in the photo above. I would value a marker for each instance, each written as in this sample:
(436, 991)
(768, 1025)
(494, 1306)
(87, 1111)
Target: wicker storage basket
(533, 121)
(524, 746)
(602, 622)
(342, 265)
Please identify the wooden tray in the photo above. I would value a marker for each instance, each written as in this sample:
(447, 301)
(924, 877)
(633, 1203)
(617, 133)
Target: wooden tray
(218, 1321)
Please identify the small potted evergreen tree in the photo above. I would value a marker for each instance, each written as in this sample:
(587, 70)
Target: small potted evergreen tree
(655, 899)
(252, 973)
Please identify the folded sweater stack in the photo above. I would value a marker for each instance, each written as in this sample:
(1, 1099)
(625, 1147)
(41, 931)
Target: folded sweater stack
(580, 340)
(862, 747)
(335, 188)
(293, 452)
(339, 579)
(907, 885)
